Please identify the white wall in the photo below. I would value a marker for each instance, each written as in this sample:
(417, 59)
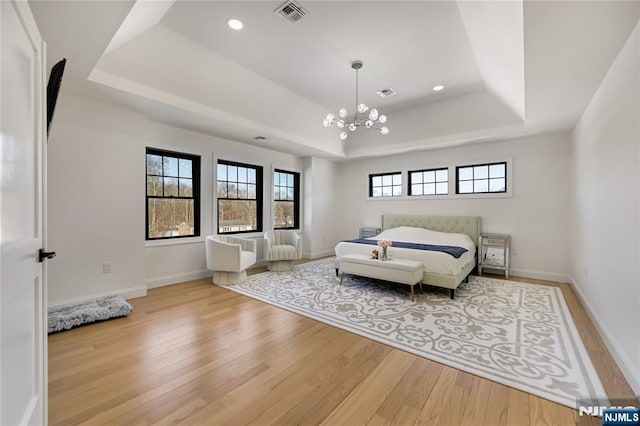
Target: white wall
(96, 203)
(605, 210)
(95, 215)
(321, 210)
(536, 214)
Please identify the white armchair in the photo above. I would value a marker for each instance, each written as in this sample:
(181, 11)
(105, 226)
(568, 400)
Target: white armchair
(229, 257)
(281, 248)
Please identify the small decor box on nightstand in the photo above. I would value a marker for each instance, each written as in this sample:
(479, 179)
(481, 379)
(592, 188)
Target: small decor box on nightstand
(369, 232)
(494, 252)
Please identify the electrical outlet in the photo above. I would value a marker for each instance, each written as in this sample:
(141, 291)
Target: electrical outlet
(106, 268)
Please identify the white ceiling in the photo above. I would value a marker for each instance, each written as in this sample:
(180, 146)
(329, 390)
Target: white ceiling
(509, 68)
(312, 57)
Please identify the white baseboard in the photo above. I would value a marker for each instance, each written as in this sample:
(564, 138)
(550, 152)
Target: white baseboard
(127, 293)
(624, 363)
(177, 278)
(319, 254)
(539, 275)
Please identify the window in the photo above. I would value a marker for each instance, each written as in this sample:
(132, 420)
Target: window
(481, 178)
(173, 194)
(239, 188)
(286, 197)
(429, 182)
(385, 185)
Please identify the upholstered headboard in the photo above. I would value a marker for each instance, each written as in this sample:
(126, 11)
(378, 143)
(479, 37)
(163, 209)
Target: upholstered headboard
(469, 225)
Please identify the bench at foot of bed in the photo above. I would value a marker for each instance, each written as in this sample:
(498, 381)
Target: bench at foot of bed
(403, 271)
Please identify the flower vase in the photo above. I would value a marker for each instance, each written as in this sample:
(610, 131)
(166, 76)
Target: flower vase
(384, 253)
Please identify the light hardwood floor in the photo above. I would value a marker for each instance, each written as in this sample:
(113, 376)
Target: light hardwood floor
(195, 353)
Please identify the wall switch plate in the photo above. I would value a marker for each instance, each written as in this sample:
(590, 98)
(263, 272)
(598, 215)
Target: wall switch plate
(106, 268)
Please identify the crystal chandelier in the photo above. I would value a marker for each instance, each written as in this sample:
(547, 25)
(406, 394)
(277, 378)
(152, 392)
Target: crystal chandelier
(371, 121)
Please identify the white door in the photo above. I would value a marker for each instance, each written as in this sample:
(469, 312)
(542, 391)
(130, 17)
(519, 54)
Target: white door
(22, 287)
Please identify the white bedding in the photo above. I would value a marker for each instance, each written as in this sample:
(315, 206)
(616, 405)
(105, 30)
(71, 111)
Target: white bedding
(434, 262)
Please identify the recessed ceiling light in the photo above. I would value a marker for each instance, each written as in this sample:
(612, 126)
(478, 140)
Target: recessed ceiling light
(235, 24)
(438, 88)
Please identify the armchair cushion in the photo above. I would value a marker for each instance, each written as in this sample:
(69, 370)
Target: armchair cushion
(282, 252)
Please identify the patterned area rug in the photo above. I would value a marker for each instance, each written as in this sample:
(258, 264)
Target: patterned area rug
(521, 335)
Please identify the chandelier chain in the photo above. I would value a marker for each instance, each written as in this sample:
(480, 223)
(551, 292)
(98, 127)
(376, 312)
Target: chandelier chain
(357, 117)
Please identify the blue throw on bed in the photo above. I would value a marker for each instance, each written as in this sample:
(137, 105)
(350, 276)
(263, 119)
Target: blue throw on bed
(452, 250)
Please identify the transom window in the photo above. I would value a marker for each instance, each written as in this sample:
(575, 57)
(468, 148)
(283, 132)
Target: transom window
(385, 185)
(239, 190)
(173, 194)
(481, 178)
(286, 197)
(429, 182)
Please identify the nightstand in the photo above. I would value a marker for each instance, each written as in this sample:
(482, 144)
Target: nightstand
(494, 252)
(369, 232)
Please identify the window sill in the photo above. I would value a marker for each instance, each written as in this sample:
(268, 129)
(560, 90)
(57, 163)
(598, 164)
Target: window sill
(396, 198)
(258, 235)
(507, 194)
(247, 235)
(485, 195)
(173, 242)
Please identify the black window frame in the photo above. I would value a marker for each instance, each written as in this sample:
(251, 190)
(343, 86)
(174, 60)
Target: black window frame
(259, 195)
(195, 184)
(436, 170)
(488, 178)
(382, 175)
(296, 198)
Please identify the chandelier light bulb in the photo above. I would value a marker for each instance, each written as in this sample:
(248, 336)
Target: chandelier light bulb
(362, 108)
(384, 130)
(352, 127)
(330, 118)
(373, 114)
(382, 118)
(368, 123)
(343, 135)
(326, 123)
(340, 123)
(342, 113)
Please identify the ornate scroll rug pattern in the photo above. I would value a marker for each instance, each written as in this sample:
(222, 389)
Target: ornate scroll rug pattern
(518, 334)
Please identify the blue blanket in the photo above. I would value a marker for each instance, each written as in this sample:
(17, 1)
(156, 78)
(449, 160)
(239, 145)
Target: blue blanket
(452, 250)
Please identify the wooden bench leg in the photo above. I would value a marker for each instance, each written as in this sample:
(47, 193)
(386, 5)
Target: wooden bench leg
(420, 284)
(412, 296)
(452, 292)
(337, 270)
(341, 278)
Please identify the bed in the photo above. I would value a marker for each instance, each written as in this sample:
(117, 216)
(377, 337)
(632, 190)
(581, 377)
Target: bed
(440, 269)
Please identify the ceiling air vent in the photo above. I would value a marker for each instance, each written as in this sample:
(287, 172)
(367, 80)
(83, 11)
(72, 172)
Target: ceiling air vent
(292, 11)
(386, 92)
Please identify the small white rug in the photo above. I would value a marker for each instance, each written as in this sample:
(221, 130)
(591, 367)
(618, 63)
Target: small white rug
(518, 334)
